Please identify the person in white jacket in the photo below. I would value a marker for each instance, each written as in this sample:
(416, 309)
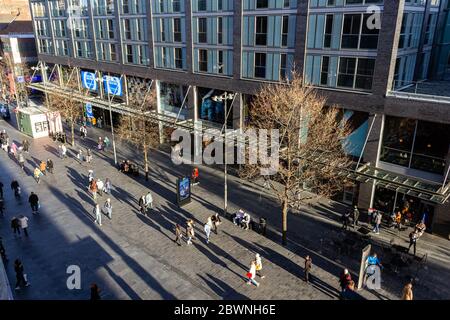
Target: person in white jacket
(100, 186)
(252, 274)
(98, 215)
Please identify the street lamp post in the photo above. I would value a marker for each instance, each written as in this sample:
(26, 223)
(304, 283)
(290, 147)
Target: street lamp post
(225, 97)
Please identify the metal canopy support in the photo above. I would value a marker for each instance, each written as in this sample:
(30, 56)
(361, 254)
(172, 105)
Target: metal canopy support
(365, 142)
(182, 103)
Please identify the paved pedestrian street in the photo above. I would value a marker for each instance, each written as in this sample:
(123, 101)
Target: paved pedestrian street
(133, 256)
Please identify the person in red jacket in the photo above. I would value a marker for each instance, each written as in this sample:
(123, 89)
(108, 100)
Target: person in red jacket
(195, 176)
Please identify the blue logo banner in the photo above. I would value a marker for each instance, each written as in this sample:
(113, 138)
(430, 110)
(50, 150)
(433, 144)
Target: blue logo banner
(112, 85)
(88, 80)
(89, 112)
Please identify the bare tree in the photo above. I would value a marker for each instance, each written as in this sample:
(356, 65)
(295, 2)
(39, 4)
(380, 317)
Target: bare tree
(311, 137)
(136, 128)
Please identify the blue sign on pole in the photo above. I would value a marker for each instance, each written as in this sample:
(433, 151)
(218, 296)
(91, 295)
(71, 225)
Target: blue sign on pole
(88, 80)
(89, 112)
(112, 85)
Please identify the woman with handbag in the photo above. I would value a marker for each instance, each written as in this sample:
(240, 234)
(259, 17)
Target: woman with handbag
(216, 221)
(251, 274)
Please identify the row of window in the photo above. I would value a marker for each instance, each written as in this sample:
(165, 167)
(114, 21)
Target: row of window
(333, 3)
(340, 72)
(337, 31)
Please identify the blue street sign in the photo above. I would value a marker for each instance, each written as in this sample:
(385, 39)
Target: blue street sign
(112, 85)
(88, 80)
(89, 112)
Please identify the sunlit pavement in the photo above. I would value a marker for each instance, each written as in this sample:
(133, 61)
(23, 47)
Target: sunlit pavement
(134, 256)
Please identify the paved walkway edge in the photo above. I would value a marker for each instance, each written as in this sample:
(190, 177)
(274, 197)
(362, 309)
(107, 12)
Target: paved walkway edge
(5, 287)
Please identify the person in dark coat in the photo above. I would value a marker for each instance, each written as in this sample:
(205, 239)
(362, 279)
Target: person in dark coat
(345, 219)
(20, 277)
(15, 225)
(95, 292)
(34, 202)
(308, 267)
(50, 166)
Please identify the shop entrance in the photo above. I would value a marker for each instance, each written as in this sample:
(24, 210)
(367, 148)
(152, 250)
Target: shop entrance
(389, 201)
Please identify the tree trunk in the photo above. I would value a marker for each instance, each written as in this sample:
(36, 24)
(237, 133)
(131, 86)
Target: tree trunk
(72, 133)
(146, 162)
(284, 222)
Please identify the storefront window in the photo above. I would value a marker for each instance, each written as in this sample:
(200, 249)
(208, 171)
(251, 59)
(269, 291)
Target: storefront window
(172, 96)
(416, 144)
(397, 140)
(431, 146)
(411, 208)
(213, 111)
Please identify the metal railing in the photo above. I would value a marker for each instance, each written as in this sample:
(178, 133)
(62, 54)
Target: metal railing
(421, 90)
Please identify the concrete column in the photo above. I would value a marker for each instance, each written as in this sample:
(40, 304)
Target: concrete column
(371, 154)
(388, 38)
(300, 35)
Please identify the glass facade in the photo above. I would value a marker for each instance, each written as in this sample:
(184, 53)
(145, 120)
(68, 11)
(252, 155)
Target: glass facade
(415, 144)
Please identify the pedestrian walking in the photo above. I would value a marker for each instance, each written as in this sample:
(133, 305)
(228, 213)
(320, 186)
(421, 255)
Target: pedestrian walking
(13, 149)
(142, 204)
(107, 207)
(178, 234)
(378, 219)
(99, 122)
(25, 145)
(88, 156)
(50, 166)
(259, 266)
(20, 276)
(34, 202)
(308, 267)
(107, 142)
(398, 220)
(190, 233)
(344, 280)
(3, 251)
(23, 221)
(407, 293)
(80, 156)
(15, 186)
(90, 175)
(100, 186)
(21, 160)
(355, 217)
(64, 151)
(37, 174)
(98, 215)
(15, 225)
(95, 292)
(100, 144)
(216, 221)
(207, 228)
(413, 236)
(107, 187)
(148, 200)
(42, 166)
(93, 188)
(345, 218)
(251, 274)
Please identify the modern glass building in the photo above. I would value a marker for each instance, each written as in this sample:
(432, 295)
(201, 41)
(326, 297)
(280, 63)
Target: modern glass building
(382, 62)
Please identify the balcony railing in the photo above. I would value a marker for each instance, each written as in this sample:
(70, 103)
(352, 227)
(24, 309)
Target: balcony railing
(433, 91)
